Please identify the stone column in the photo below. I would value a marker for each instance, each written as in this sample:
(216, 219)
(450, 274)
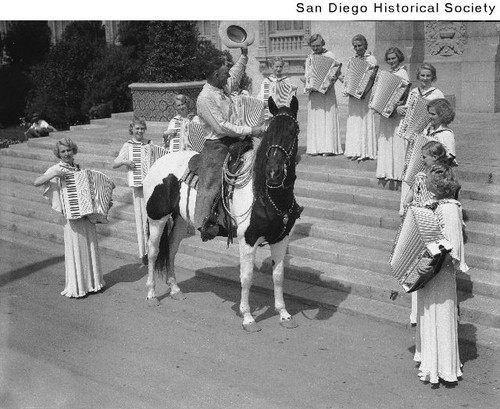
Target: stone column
(480, 80)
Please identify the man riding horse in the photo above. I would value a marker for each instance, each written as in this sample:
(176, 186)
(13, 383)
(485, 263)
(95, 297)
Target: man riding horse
(217, 114)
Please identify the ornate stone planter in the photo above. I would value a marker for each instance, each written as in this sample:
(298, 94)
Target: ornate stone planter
(156, 101)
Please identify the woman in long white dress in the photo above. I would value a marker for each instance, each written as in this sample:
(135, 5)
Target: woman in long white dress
(360, 138)
(323, 135)
(426, 75)
(392, 148)
(436, 346)
(81, 250)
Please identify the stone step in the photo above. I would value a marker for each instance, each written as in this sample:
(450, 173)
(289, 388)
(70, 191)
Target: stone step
(470, 194)
(27, 208)
(328, 230)
(96, 149)
(329, 169)
(331, 192)
(372, 289)
(480, 191)
(24, 172)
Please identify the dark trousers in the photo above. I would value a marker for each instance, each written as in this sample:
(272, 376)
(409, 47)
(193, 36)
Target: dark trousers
(210, 173)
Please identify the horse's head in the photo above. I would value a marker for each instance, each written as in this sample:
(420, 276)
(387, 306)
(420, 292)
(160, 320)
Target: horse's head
(275, 162)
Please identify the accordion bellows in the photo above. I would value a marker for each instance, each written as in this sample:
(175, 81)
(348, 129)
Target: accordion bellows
(388, 89)
(196, 136)
(359, 78)
(281, 91)
(143, 157)
(419, 240)
(87, 193)
(250, 110)
(413, 161)
(416, 117)
(323, 72)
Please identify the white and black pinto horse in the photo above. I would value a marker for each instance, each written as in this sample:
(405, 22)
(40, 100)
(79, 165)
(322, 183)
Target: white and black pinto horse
(264, 210)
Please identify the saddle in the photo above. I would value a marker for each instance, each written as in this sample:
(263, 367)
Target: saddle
(218, 213)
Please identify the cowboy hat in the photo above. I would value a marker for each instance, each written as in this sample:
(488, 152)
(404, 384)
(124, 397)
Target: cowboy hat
(235, 36)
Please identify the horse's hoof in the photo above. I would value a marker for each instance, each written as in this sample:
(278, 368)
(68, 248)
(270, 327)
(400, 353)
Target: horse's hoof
(252, 327)
(289, 324)
(179, 296)
(153, 302)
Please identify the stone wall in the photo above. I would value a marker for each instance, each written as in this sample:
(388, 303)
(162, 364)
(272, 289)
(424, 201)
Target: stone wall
(156, 101)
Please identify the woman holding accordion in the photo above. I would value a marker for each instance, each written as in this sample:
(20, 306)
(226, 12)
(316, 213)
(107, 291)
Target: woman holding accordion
(360, 138)
(436, 348)
(391, 148)
(323, 135)
(81, 251)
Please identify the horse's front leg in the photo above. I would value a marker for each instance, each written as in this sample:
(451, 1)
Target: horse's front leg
(247, 257)
(155, 231)
(278, 251)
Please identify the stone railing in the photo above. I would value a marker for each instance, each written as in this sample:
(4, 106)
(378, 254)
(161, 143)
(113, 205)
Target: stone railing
(156, 101)
(290, 43)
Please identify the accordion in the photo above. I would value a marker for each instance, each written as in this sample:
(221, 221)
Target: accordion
(359, 78)
(143, 157)
(174, 143)
(388, 90)
(281, 91)
(413, 161)
(196, 136)
(250, 110)
(87, 193)
(416, 117)
(419, 242)
(324, 71)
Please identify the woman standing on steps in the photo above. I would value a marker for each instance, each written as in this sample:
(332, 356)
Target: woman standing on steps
(81, 251)
(392, 148)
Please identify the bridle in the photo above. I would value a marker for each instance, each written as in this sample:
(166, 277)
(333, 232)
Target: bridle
(287, 153)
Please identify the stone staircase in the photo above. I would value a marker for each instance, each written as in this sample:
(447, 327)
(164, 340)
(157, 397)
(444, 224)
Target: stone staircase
(339, 250)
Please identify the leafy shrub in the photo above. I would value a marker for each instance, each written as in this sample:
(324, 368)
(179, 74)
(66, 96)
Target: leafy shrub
(61, 81)
(14, 87)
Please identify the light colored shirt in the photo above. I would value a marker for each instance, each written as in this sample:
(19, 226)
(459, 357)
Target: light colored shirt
(124, 151)
(216, 109)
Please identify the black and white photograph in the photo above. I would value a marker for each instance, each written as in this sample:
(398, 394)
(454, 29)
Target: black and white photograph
(230, 205)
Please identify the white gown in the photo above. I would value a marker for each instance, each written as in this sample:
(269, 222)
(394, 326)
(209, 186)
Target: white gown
(391, 148)
(360, 138)
(81, 250)
(437, 327)
(323, 133)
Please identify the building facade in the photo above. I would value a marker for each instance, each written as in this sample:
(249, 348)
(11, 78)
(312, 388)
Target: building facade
(466, 54)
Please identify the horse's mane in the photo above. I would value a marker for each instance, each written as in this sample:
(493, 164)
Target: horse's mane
(282, 131)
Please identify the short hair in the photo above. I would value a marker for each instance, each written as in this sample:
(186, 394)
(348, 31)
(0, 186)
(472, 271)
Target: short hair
(65, 142)
(136, 120)
(315, 37)
(442, 181)
(397, 51)
(213, 65)
(275, 59)
(430, 67)
(444, 110)
(181, 98)
(438, 151)
(360, 37)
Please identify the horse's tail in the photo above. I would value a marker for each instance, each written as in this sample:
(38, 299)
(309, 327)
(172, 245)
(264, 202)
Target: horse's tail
(164, 202)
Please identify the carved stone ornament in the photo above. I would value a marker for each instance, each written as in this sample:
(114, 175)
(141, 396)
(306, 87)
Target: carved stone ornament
(445, 38)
